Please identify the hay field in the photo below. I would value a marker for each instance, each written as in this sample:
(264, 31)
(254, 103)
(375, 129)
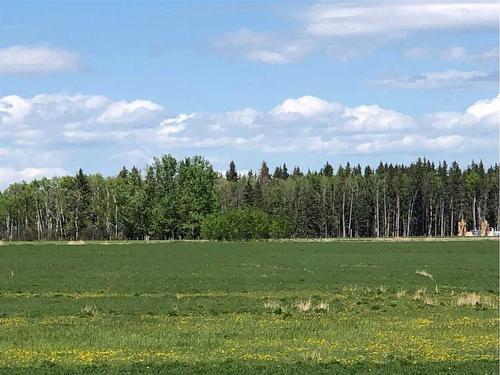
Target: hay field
(258, 307)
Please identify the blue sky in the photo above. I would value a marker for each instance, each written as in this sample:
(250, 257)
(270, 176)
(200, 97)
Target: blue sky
(99, 85)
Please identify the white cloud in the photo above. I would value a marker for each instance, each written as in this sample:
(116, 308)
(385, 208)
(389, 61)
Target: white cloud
(60, 108)
(10, 175)
(36, 60)
(246, 117)
(174, 125)
(305, 106)
(483, 115)
(341, 20)
(374, 118)
(13, 108)
(134, 111)
(179, 119)
(263, 47)
(439, 80)
(453, 53)
(269, 57)
(365, 118)
(460, 53)
(485, 108)
(418, 142)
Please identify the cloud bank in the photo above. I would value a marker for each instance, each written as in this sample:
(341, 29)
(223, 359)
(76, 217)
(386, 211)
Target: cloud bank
(51, 134)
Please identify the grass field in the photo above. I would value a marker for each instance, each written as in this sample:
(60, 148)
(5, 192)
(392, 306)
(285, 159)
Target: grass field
(268, 307)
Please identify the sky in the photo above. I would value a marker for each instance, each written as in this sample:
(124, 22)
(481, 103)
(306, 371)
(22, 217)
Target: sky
(99, 85)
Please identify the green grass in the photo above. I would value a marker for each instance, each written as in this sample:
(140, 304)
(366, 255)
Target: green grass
(203, 307)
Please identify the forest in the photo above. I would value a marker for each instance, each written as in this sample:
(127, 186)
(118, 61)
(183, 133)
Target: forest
(188, 199)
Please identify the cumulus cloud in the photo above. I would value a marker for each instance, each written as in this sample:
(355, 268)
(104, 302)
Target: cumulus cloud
(10, 175)
(414, 141)
(439, 80)
(13, 108)
(246, 117)
(174, 125)
(484, 115)
(305, 106)
(58, 108)
(36, 60)
(134, 111)
(373, 118)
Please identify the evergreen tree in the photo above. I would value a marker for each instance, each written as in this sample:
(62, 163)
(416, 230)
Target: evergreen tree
(231, 173)
(297, 172)
(80, 203)
(264, 172)
(327, 170)
(284, 172)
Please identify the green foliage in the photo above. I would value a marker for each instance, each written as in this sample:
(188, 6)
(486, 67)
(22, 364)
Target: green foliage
(279, 228)
(237, 224)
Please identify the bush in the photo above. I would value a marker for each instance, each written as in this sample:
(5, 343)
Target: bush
(242, 224)
(279, 228)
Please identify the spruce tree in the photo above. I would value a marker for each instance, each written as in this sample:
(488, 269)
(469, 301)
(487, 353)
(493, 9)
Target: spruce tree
(264, 172)
(231, 173)
(327, 170)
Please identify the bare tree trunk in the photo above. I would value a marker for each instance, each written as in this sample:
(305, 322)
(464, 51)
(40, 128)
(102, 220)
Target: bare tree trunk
(385, 211)
(474, 212)
(410, 214)
(349, 231)
(116, 216)
(343, 210)
(452, 223)
(442, 218)
(429, 228)
(323, 208)
(398, 208)
(377, 218)
(76, 225)
(333, 210)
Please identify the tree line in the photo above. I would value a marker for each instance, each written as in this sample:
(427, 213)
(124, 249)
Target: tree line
(188, 199)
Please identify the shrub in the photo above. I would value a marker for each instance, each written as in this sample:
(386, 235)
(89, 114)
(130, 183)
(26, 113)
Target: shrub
(242, 224)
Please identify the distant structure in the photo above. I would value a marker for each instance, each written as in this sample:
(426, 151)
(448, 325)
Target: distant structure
(484, 231)
(484, 228)
(462, 228)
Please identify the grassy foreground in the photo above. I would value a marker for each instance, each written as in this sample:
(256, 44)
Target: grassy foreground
(188, 307)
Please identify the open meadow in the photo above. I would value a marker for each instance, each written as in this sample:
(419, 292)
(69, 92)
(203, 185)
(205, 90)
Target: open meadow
(250, 307)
